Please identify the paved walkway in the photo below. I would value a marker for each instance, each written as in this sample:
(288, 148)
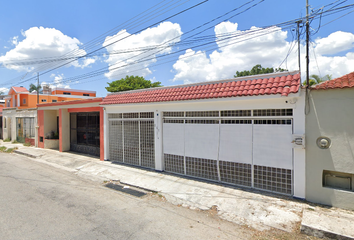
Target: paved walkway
(258, 210)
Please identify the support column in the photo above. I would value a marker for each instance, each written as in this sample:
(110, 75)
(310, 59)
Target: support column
(64, 130)
(102, 128)
(158, 141)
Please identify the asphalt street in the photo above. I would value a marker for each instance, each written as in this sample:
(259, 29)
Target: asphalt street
(38, 201)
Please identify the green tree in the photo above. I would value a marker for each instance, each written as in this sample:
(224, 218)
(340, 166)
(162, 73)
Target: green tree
(258, 69)
(35, 88)
(131, 83)
(315, 79)
(1, 93)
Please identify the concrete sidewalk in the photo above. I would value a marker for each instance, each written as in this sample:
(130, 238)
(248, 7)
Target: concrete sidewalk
(258, 210)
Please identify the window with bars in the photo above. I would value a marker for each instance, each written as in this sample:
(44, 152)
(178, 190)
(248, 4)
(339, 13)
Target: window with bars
(173, 114)
(173, 121)
(201, 121)
(236, 121)
(236, 113)
(202, 114)
(273, 121)
(272, 112)
(114, 115)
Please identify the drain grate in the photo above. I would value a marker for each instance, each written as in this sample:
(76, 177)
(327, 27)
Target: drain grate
(126, 190)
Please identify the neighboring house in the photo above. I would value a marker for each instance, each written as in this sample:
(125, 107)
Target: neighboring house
(79, 125)
(20, 112)
(237, 131)
(330, 143)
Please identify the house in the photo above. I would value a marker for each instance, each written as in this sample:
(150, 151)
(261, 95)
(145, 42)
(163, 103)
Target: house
(78, 124)
(246, 131)
(330, 143)
(20, 112)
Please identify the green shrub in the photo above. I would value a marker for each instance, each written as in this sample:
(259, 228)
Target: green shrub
(7, 140)
(2, 149)
(15, 141)
(10, 150)
(27, 144)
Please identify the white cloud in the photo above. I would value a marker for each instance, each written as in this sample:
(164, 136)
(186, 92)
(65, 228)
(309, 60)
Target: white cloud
(57, 81)
(269, 50)
(149, 37)
(4, 90)
(41, 43)
(336, 42)
(14, 40)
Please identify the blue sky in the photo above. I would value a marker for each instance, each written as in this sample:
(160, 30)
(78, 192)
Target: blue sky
(41, 29)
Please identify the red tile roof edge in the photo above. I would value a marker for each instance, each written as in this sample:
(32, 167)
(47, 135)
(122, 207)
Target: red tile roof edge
(252, 77)
(281, 84)
(346, 81)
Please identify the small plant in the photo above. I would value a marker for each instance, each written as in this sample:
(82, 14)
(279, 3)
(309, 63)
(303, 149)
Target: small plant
(15, 141)
(2, 149)
(27, 144)
(7, 140)
(52, 135)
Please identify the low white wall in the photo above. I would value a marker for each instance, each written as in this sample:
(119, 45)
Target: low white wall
(51, 143)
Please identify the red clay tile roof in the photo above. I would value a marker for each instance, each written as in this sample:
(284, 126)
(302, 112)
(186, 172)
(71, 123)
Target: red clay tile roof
(346, 81)
(20, 89)
(276, 85)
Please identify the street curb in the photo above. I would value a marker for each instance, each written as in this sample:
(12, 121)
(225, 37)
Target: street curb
(311, 231)
(26, 154)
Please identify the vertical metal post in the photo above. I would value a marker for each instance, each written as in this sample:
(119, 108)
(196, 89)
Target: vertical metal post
(298, 43)
(37, 88)
(307, 45)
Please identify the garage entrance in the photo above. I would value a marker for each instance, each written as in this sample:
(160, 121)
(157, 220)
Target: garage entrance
(131, 138)
(249, 148)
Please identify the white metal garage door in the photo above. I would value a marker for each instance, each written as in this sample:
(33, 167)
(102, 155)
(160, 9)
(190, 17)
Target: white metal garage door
(131, 138)
(243, 147)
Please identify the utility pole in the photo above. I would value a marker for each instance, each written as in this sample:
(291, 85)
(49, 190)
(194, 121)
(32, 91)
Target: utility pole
(298, 43)
(37, 88)
(307, 45)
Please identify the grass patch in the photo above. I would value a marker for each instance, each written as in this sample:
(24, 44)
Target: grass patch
(27, 144)
(7, 140)
(10, 150)
(7, 150)
(15, 141)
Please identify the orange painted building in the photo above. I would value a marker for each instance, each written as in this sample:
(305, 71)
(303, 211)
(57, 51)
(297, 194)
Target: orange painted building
(79, 126)
(21, 98)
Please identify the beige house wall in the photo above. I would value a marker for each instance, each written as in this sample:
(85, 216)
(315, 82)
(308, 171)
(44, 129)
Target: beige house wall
(50, 119)
(331, 114)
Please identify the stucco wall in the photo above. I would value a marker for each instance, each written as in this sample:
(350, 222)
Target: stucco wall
(50, 122)
(331, 115)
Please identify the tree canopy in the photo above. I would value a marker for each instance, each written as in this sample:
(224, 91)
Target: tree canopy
(131, 83)
(34, 88)
(315, 79)
(258, 69)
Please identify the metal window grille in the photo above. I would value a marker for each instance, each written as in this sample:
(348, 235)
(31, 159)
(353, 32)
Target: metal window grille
(273, 121)
(147, 144)
(131, 142)
(116, 141)
(203, 114)
(130, 115)
(236, 113)
(174, 163)
(235, 121)
(272, 112)
(173, 121)
(201, 121)
(173, 114)
(273, 179)
(147, 115)
(25, 128)
(114, 115)
(236, 173)
(203, 168)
